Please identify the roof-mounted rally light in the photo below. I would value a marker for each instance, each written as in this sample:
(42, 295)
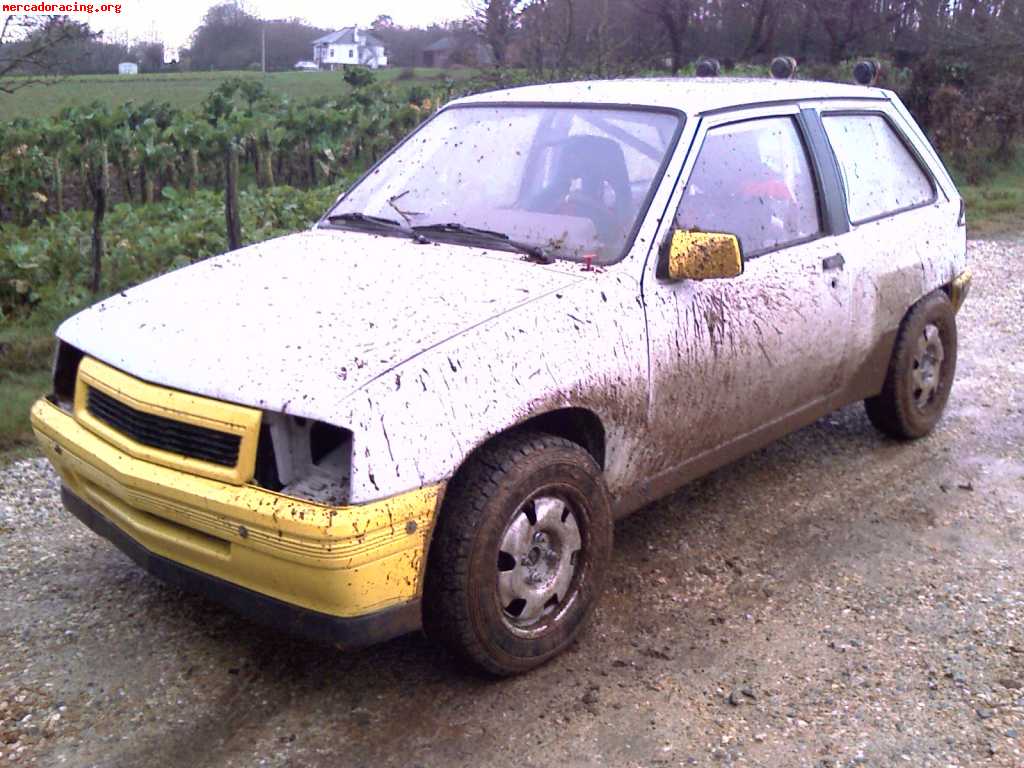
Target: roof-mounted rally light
(867, 72)
(783, 67)
(708, 68)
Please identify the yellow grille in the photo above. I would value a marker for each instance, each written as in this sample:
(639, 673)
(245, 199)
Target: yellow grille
(149, 404)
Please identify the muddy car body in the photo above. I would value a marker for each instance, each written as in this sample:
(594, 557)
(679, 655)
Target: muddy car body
(344, 429)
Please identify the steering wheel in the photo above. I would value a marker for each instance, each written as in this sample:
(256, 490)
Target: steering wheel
(605, 220)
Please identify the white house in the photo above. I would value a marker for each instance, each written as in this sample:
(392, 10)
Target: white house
(347, 47)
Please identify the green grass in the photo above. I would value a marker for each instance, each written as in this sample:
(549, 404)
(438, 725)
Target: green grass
(193, 222)
(188, 89)
(995, 208)
(20, 391)
(25, 357)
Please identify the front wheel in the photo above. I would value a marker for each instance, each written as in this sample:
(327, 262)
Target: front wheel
(921, 371)
(519, 554)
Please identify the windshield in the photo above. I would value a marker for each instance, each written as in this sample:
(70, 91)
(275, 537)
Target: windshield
(570, 181)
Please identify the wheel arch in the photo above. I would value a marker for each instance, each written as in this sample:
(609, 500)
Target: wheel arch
(578, 425)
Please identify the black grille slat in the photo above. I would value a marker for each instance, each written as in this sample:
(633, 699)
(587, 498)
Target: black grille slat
(174, 444)
(166, 434)
(145, 434)
(173, 440)
(172, 432)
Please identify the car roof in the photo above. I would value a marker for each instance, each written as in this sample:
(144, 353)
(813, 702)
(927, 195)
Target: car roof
(693, 95)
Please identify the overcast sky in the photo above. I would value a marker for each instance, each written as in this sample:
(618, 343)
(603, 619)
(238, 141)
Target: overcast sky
(173, 21)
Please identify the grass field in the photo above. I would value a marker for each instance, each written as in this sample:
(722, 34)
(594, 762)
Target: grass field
(996, 207)
(25, 375)
(188, 89)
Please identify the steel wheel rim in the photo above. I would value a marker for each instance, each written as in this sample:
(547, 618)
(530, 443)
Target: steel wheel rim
(926, 367)
(539, 559)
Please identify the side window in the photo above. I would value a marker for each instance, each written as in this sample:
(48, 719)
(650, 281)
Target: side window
(754, 180)
(880, 174)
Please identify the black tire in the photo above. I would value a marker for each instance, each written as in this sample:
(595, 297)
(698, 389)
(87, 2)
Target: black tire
(905, 409)
(487, 505)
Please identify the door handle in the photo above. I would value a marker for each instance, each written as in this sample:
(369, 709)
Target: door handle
(836, 261)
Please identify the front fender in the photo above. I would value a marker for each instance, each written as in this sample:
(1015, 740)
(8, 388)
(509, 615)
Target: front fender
(586, 348)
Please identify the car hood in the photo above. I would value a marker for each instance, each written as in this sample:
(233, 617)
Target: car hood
(298, 323)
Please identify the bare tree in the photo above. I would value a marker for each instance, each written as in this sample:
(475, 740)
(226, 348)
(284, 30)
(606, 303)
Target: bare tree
(849, 23)
(567, 23)
(496, 19)
(674, 17)
(535, 29)
(597, 38)
(30, 48)
(762, 33)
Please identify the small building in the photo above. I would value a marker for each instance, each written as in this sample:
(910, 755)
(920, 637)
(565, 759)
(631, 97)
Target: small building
(350, 46)
(127, 68)
(453, 50)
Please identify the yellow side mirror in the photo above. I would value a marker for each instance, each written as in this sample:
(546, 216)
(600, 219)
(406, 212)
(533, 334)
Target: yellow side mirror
(701, 256)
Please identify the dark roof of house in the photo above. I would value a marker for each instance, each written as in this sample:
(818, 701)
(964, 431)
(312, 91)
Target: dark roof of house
(444, 44)
(346, 36)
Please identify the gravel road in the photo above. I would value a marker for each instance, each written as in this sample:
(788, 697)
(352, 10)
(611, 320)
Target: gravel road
(835, 600)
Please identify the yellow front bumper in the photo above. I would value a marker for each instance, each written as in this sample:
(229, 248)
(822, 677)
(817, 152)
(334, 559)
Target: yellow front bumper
(339, 561)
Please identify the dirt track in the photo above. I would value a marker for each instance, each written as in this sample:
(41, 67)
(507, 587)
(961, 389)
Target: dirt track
(837, 599)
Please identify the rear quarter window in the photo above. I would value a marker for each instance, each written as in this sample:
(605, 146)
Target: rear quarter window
(880, 174)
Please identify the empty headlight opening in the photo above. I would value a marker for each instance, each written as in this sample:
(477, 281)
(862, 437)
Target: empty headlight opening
(304, 458)
(66, 360)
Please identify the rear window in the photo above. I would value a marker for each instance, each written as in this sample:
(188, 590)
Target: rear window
(880, 174)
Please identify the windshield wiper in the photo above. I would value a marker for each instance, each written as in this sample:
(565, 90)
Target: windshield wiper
(455, 228)
(370, 222)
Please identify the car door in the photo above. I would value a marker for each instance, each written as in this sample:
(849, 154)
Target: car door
(732, 360)
(904, 233)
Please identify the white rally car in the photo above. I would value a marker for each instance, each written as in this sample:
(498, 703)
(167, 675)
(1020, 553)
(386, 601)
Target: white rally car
(545, 308)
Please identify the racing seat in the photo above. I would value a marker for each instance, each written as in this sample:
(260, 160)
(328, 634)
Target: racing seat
(594, 161)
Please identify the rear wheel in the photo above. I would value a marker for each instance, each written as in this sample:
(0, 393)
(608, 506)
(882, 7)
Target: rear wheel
(519, 553)
(921, 371)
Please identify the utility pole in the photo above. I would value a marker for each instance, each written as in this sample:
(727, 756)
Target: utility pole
(263, 47)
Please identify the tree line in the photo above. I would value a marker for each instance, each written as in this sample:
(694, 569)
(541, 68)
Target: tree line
(958, 64)
(598, 36)
(612, 34)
